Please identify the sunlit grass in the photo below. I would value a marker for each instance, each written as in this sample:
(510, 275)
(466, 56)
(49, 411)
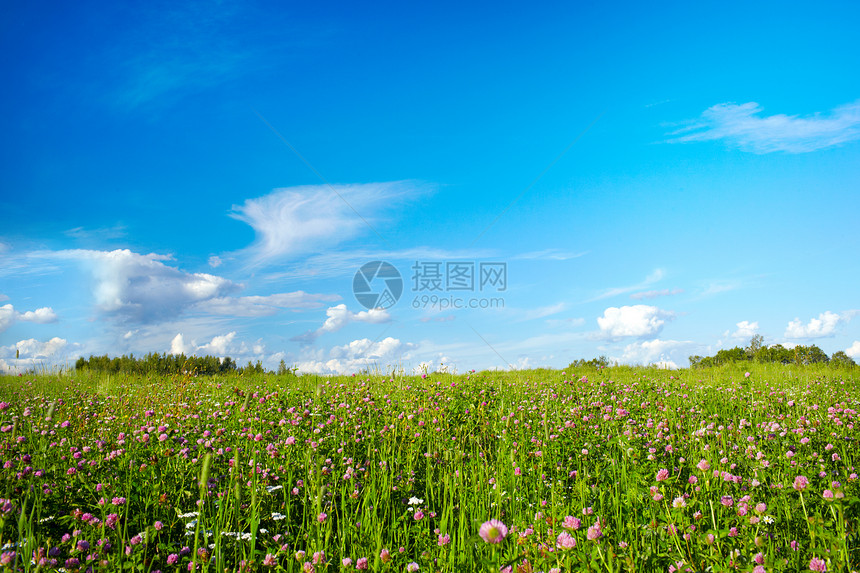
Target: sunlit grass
(603, 470)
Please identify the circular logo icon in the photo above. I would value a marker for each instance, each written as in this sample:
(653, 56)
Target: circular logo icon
(377, 285)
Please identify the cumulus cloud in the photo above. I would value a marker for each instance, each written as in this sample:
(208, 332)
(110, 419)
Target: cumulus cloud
(363, 354)
(178, 345)
(301, 220)
(639, 320)
(8, 316)
(746, 329)
(823, 326)
(31, 353)
(743, 126)
(220, 345)
(854, 350)
(142, 288)
(32, 348)
(43, 315)
(339, 316)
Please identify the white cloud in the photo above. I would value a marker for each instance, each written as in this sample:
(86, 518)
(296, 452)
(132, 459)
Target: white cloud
(360, 355)
(8, 316)
(742, 126)
(142, 288)
(655, 293)
(745, 329)
(854, 350)
(824, 325)
(3, 297)
(32, 348)
(615, 291)
(215, 261)
(264, 305)
(218, 346)
(638, 320)
(302, 220)
(339, 316)
(178, 346)
(43, 315)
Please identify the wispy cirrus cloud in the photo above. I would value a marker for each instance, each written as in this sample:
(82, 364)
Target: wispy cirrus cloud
(299, 221)
(615, 291)
(743, 126)
(656, 293)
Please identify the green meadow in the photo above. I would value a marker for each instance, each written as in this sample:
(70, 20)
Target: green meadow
(731, 468)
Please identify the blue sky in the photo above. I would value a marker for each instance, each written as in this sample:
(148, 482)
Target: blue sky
(208, 178)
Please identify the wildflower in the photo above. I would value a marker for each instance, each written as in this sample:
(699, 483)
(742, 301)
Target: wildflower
(571, 522)
(321, 517)
(816, 564)
(828, 494)
(385, 556)
(679, 502)
(565, 541)
(444, 540)
(158, 525)
(412, 567)
(419, 515)
(727, 501)
(662, 475)
(703, 465)
(415, 501)
(801, 483)
(172, 559)
(594, 532)
(493, 531)
(346, 562)
(362, 563)
(319, 557)
(270, 560)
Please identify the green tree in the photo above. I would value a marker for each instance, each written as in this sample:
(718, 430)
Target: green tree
(755, 345)
(842, 359)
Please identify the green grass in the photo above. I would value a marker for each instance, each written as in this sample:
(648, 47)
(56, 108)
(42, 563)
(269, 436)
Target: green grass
(261, 459)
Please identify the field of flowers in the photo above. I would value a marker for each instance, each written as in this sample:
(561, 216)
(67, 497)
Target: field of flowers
(619, 469)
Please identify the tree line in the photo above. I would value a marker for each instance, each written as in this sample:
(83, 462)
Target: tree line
(758, 352)
(162, 364)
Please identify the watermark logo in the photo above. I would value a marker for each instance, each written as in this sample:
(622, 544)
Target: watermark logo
(436, 284)
(377, 284)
